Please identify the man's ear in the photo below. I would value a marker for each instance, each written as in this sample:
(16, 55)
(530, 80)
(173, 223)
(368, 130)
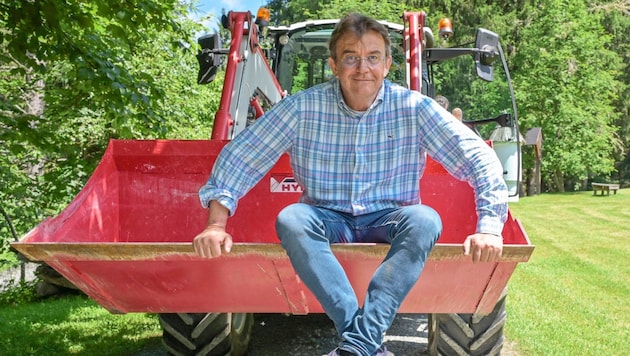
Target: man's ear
(388, 64)
(332, 65)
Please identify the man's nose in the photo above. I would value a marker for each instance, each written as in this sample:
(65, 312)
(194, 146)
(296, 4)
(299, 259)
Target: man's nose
(363, 65)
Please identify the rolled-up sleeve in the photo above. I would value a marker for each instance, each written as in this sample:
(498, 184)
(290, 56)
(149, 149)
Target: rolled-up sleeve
(249, 156)
(210, 192)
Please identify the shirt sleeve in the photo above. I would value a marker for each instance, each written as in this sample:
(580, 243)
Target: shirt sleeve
(469, 158)
(249, 156)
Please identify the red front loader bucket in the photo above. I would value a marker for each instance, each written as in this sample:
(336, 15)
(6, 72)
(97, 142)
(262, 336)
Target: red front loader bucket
(125, 241)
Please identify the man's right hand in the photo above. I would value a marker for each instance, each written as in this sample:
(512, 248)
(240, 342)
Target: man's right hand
(208, 242)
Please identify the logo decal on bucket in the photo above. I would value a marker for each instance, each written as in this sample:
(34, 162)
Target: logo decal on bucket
(284, 184)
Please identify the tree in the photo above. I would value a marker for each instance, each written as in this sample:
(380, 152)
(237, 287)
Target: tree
(95, 41)
(383, 10)
(616, 21)
(566, 83)
(76, 74)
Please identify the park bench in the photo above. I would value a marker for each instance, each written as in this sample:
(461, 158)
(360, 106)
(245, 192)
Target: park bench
(604, 187)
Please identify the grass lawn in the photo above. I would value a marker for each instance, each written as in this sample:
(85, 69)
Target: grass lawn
(573, 296)
(74, 325)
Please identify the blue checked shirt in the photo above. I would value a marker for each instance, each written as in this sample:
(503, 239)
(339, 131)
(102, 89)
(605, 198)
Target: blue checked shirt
(360, 162)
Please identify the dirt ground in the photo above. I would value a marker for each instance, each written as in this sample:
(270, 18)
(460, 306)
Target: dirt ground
(314, 335)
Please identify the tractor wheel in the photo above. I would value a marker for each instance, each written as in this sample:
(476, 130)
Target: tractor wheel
(212, 334)
(468, 334)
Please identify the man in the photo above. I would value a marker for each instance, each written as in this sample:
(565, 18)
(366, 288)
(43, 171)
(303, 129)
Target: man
(358, 148)
(442, 100)
(458, 114)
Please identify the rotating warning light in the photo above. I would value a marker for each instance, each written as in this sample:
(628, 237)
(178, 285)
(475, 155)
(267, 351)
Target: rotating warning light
(445, 28)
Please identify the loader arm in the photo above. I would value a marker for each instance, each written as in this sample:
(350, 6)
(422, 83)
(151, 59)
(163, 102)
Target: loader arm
(247, 75)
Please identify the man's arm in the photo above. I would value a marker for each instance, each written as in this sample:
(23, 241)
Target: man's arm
(467, 157)
(240, 165)
(208, 242)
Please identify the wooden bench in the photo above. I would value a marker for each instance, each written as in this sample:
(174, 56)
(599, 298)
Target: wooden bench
(604, 187)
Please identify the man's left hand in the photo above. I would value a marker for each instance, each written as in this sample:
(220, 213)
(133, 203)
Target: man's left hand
(483, 247)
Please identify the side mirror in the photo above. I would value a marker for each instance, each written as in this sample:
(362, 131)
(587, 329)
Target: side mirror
(487, 44)
(209, 60)
(429, 41)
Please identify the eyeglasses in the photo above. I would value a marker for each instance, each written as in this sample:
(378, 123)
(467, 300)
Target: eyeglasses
(353, 61)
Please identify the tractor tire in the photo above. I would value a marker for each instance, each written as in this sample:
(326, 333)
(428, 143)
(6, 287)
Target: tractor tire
(468, 334)
(211, 334)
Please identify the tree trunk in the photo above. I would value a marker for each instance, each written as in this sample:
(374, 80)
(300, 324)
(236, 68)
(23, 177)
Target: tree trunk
(559, 180)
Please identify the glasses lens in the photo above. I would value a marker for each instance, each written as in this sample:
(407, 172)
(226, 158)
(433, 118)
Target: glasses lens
(350, 61)
(373, 60)
(353, 61)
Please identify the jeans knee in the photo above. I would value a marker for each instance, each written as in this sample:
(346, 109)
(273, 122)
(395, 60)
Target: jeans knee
(424, 219)
(291, 212)
(292, 220)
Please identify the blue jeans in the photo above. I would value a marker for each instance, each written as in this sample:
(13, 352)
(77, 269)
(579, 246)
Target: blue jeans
(306, 233)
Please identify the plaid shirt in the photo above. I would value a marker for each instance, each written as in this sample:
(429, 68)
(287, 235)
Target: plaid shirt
(360, 162)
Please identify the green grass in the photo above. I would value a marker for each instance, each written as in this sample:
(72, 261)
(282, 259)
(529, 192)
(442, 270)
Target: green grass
(74, 325)
(573, 296)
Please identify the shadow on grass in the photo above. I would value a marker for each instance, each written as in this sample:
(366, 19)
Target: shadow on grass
(74, 324)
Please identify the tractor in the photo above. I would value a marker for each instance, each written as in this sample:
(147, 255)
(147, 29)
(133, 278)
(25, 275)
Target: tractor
(126, 239)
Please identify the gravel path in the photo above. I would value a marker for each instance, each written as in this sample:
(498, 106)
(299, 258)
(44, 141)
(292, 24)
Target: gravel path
(314, 334)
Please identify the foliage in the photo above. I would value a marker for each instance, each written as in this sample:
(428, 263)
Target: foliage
(75, 74)
(566, 84)
(93, 41)
(382, 10)
(15, 293)
(284, 12)
(616, 22)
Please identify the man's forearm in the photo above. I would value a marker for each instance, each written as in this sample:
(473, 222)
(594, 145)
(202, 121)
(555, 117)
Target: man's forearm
(218, 215)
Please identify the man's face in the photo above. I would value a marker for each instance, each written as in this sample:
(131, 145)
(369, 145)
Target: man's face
(361, 65)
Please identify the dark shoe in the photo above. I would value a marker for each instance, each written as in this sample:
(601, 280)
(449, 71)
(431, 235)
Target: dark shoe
(382, 351)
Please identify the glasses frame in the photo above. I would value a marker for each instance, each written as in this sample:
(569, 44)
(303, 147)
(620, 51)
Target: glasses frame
(353, 61)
